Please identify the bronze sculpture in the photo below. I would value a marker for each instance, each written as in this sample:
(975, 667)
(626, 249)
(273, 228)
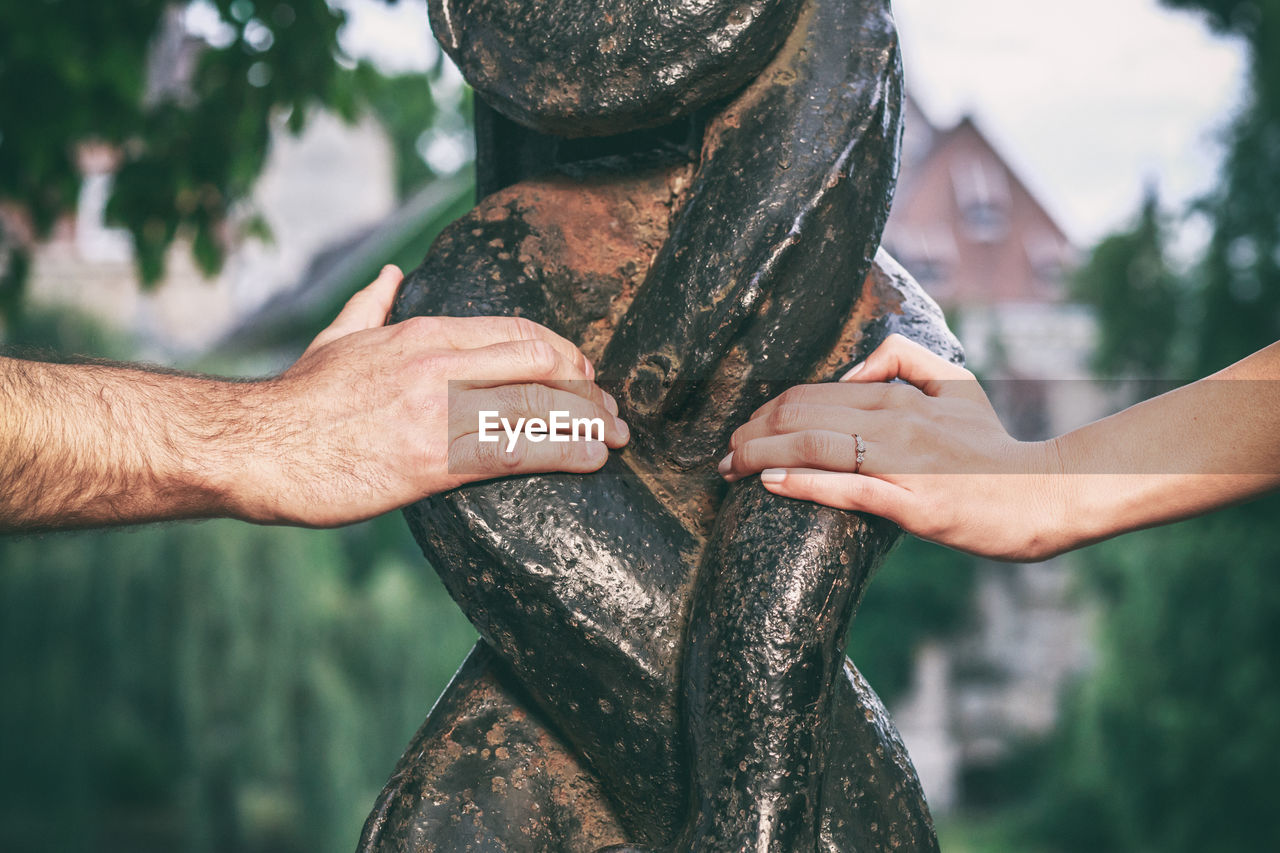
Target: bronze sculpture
(693, 190)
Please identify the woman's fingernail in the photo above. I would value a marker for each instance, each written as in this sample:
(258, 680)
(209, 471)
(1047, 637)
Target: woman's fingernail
(773, 476)
(623, 428)
(610, 403)
(857, 368)
(591, 369)
(726, 464)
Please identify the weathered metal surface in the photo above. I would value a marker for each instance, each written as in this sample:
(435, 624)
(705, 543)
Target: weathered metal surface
(602, 67)
(580, 582)
(676, 643)
(791, 194)
(780, 580)
(486, 772)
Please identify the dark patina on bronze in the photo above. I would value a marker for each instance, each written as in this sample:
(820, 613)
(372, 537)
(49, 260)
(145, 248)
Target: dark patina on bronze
(597, 67)
(661, 660)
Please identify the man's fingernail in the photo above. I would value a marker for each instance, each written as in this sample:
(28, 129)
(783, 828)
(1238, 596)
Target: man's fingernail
(773, 476)
(610, 403)
(591, 369)
(623, 428)
(857, 368)
(726, 464)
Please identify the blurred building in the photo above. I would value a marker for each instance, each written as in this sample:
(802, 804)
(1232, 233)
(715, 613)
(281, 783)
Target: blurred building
(966, 224)
(981, 242)
(317, 189)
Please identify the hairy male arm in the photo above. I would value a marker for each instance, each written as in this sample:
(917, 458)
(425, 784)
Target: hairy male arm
(94, 444)
(369, 418)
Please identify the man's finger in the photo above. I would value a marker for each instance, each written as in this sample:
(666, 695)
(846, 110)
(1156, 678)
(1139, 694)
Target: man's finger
(569, 413)
(900, 358)
(471, 460)
(518, 362)
(367, 309)
(466, 333)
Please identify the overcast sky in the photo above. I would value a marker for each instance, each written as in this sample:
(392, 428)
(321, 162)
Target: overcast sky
(1088, 99)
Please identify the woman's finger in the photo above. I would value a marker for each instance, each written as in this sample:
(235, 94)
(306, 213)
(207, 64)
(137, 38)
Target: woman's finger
(900, 358)
(819, 449)
(853, 396)
(790, 418)
(844, 491)
(786, 419)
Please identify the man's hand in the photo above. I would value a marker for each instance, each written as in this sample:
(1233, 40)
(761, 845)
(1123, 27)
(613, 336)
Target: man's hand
(370, 418)
(374, 417)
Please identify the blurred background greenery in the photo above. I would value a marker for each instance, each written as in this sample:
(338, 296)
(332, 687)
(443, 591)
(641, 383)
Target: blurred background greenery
(220, 687)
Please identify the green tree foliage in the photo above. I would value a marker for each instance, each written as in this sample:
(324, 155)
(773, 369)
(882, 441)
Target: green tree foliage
(74, 71)
(1240, 302)
(208, 688)
(923, 591)
(212, 687)
(1171, 744)
(1136, 297)
(407, 108)
(1240, 295)
(197, 687)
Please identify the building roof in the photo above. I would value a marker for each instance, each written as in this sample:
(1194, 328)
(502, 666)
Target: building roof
(967, 226)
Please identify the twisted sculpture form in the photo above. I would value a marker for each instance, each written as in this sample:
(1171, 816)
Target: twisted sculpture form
(694, 191)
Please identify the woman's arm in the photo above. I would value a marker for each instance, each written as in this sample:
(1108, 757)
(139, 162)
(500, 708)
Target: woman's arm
(938, 462)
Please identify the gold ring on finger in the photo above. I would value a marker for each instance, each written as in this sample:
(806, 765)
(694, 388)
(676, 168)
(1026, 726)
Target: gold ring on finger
(860, 447)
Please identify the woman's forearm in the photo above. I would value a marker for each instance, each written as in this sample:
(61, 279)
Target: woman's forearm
(932, 455)
(1206, 445)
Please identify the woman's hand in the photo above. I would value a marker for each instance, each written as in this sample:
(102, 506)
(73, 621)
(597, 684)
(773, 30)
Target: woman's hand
(936, 460)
